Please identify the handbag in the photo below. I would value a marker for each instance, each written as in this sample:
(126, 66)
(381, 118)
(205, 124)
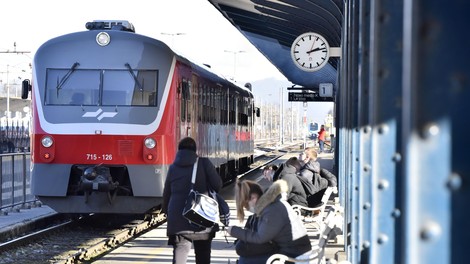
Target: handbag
(224, 209)
(200, 209)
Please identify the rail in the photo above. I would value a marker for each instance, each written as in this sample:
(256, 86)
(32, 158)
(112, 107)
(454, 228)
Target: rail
(15, 180)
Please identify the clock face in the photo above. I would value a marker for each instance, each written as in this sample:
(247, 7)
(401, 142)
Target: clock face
(310, 51)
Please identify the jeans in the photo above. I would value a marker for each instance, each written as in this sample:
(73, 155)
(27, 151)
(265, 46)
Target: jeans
(321, 143)
(182, 246)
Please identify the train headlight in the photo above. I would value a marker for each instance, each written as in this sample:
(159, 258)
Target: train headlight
(150, 143)
(47, 141)
(103, 39)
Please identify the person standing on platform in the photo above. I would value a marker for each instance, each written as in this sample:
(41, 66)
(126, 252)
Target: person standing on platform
(321, 138)
(181, 234)
(276, 228)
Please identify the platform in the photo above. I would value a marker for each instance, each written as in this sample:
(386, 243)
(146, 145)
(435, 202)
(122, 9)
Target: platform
(152, 246)
(17, 222)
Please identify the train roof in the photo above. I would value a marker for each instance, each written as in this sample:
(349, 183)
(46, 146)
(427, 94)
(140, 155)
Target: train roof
(212, 75)
(125, 26)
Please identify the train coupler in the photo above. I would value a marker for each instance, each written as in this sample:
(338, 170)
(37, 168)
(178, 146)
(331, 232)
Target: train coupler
(98, 179)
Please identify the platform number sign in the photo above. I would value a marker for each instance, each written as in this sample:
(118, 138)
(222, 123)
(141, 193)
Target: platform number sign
(325, 90)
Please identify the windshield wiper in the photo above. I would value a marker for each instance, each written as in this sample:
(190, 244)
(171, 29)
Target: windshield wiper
(66, 77)
(135, 77)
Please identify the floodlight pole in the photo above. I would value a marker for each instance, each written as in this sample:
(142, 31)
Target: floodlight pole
(234, 59)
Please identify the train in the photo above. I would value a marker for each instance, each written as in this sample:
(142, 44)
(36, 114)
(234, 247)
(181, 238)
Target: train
(109, 107)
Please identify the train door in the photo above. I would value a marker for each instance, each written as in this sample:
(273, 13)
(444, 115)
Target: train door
(232, 131)
(185, 101)
(193, 132)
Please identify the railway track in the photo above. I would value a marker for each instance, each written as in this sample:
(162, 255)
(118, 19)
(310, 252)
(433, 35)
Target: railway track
(78, 240)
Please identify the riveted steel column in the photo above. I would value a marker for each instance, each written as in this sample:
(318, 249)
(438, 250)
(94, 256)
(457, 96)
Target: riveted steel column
(436, 96)
(364, 130)
(385, 77)
(348, 140)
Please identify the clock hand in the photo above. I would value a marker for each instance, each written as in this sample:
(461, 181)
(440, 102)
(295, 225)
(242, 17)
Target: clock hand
(315, 40)
(315, 49)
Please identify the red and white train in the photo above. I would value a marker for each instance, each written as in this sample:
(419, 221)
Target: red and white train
(109, 107)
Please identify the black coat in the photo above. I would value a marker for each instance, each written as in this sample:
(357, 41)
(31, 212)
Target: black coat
(296, 193)
(178, 185)
(311, 178)
(330, 177)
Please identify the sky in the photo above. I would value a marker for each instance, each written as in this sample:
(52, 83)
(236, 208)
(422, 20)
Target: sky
(207, 37)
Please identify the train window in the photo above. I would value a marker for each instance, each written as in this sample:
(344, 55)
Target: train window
(78, 87)
(82, 87)
(136, 89)
(189, 105)
(217, 105)
(145, 94)
(200, 104)
(223, 105)
(209, 104)
(212, 104)
(184, 99)
(232, 106)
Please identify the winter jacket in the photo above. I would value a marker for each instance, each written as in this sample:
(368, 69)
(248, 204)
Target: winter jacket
(296, 193)
(311, 179)
(178, 185)
(247, 249)
(330, 177)
(277, 222)
(322, 134)
(315, 181)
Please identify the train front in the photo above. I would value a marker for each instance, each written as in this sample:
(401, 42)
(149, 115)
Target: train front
(99, 99)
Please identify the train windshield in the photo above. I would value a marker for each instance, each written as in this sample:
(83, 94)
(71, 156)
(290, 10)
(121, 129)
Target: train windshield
(101, 87)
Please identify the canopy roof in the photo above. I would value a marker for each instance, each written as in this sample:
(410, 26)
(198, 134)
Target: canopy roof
(273, 25)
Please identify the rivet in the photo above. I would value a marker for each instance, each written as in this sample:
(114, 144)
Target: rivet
(430, 130)
(367, 129)
(454, 182)
(396, 157)
(383, 184)
(366, 206)
(367, 168)
(396, 213)
(365, 244)
(383, 129)
(430, 231)
(382, 239)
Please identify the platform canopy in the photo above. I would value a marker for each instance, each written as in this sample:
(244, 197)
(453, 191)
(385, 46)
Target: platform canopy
(273, 25)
